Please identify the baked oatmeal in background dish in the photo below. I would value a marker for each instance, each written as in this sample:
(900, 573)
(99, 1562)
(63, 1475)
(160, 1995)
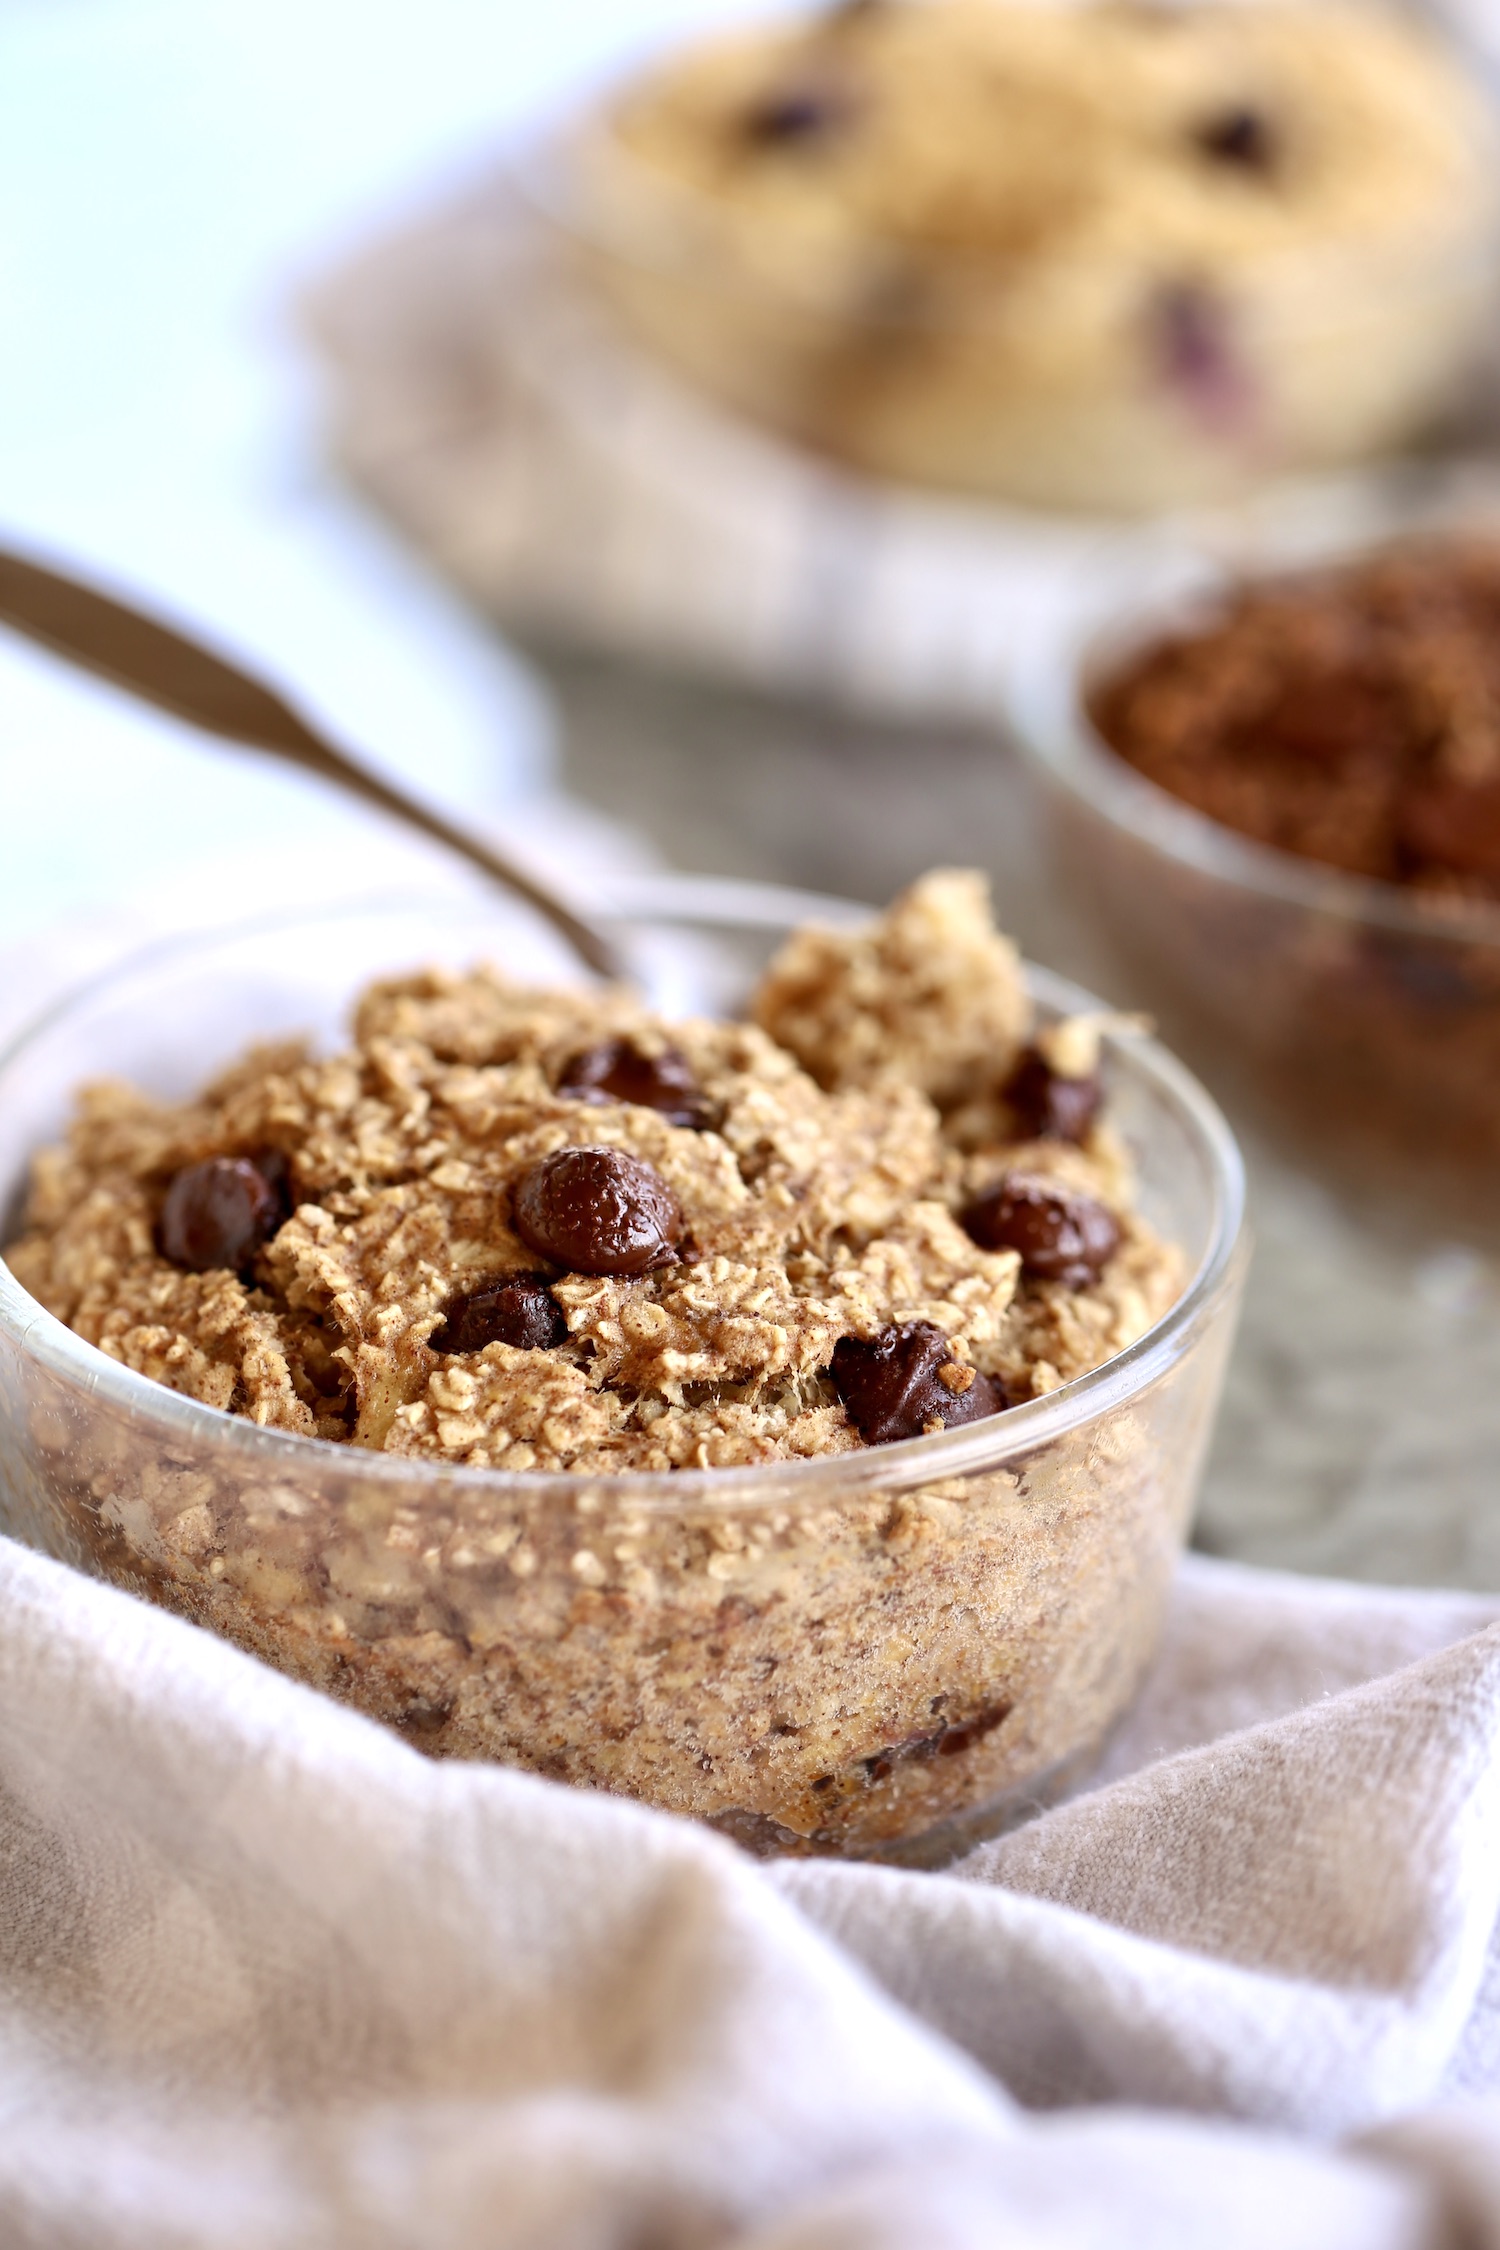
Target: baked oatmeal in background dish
(530, 1265)
(1096, 256)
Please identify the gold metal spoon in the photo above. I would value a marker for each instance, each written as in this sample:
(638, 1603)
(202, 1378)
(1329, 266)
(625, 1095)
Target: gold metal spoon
(162, 666)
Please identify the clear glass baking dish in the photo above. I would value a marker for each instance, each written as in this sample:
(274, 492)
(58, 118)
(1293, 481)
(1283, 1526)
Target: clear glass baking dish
(1359, 1019)
(883, 1653)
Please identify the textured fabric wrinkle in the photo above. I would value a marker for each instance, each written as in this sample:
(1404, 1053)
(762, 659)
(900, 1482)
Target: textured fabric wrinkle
(1291, 1924)
(604, 2010)
(270, 1975)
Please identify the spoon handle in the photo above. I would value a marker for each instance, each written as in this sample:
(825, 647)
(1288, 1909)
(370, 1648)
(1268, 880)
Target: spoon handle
(151, 660)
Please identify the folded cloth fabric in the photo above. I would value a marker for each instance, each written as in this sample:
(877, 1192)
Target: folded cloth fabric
(270, 1976)
(486, 399)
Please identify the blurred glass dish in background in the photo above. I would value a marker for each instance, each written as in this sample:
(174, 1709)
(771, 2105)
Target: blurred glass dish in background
(883, 1652)
(1098, 258)
(1346, 712)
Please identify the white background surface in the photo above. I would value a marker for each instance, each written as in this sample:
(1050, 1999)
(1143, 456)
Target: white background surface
(171, 171)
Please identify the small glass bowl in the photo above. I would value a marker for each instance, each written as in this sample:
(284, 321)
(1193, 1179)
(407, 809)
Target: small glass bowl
(1122, 385)
(1355, 1016)
(884, 1653)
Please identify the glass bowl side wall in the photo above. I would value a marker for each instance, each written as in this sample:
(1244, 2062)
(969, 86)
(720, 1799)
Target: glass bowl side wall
(1348, 1012)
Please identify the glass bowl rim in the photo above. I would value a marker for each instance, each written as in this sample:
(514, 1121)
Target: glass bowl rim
(1044, 705)
(825, 1481)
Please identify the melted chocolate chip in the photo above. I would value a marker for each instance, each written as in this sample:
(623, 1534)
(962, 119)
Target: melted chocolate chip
(797, 116)
(1061, 1235)
(1048, 1106)
(617, 1071)
(1196, 353)
(947, 1742)
(597, 1210)
(1240, 136)
(954, 1740)
(518, 1310)
(890, 1387)
(218, 1213)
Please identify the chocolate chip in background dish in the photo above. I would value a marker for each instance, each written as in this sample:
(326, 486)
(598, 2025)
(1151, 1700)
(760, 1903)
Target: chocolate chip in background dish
(219, 1213)
(1194, 347)
(907, 1380)
(599, 1211)
(815, 95)
(799, 116)
(1243, 136)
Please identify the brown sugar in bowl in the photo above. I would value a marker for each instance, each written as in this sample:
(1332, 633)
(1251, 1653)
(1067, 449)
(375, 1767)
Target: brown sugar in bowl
(1250, 793)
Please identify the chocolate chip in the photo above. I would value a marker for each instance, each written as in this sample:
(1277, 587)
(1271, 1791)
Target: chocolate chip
(218, 1213)
(890, 1387)
(1061, 1235)
(956, 1739)
(947, 1742)
(1196, 354)
(518, 1310)
(616, 1070)
(797, 116)
(1239, 136)
(597, 1210)
(1048, 1106)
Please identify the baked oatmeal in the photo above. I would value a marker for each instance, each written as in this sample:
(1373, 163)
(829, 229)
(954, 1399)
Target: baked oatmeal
(547, 1232)
(1110, 255)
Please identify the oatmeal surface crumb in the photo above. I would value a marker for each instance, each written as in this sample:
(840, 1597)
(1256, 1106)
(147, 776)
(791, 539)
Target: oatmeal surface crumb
(928, 996)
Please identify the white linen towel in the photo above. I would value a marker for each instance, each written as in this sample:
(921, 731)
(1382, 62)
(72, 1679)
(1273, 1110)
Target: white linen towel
(269, 1976)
